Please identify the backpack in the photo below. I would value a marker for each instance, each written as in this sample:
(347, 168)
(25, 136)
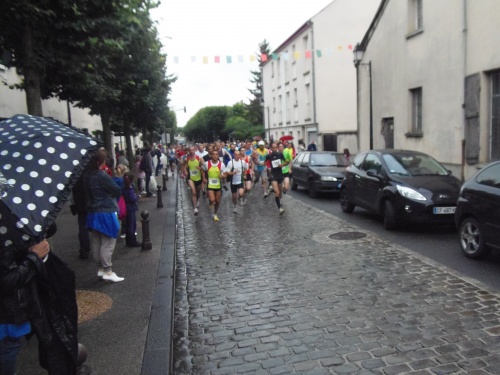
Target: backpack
(143, 164)
(122, 208)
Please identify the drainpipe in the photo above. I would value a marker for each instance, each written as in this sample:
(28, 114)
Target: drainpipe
(314, 82)
(464, 50)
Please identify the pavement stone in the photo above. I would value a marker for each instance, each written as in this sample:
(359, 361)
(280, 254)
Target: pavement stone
(301, 300)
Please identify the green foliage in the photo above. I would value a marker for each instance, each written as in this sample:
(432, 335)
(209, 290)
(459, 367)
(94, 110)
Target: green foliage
(101, 55)
(254, 108)
(207, 125)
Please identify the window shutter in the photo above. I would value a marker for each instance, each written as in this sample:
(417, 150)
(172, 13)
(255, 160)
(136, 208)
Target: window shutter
(471, 106)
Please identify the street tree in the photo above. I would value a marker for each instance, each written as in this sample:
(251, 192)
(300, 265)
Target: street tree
(254, 107)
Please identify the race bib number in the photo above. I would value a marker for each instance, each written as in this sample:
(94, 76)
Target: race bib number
(276, 163)
(194, 172)
(214, 181)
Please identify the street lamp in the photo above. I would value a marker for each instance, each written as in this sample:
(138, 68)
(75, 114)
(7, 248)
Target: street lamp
(358, 53)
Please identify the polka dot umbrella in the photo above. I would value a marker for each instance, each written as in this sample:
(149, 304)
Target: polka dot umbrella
(40, 161)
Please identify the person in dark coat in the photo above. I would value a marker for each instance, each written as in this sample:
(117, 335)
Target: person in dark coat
(37, 295)
(131, 199)
(79, 208)
(147, 166)
(312, 146)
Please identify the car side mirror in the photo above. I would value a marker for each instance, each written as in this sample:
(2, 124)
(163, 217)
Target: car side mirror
(373, 173)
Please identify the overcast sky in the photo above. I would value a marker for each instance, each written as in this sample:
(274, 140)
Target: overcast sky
(197, 28)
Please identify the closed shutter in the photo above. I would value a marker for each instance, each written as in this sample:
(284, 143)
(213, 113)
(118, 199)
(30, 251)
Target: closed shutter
(495, 117)
(472, 91)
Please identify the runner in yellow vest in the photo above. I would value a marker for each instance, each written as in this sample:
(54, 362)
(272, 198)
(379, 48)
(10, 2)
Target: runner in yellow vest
(214, 173)
(192, 169)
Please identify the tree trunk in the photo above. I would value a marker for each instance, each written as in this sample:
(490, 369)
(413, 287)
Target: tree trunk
(31, 75)
(106, 131)
(128, 145)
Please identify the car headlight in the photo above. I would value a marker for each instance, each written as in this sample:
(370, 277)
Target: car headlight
(410, 193)
(328, 178)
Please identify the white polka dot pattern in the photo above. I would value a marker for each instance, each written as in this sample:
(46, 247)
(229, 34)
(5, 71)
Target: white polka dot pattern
(37, 159)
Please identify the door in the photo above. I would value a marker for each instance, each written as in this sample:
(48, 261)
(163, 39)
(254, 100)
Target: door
(488, 202)
(388, 132)
(298, 171)
(367, 187)
(330, 142)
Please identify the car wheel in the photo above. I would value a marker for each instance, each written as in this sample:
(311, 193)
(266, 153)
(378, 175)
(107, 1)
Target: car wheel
(294, 185)
(472, 239)
(312, 190)
(345, 205)
(390, 220)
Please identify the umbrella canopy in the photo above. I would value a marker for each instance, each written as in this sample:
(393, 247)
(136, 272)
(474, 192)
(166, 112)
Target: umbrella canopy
(286, 138)
(40, 161)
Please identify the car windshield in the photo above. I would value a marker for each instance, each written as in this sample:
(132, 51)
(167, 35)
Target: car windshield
(328, 160)
(406, 164)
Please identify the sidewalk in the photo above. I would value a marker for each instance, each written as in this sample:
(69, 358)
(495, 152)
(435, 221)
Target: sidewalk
(126, 326)
(307, 293)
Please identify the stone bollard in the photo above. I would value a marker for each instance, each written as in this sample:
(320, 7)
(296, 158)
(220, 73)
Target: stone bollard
(165, 179)
(158, 195)
(146, 242)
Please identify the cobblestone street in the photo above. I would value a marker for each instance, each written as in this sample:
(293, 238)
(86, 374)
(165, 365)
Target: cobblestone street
(308, 293)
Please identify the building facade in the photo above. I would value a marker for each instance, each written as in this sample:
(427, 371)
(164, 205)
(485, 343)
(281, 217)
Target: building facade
(309, 83)
(429, 80)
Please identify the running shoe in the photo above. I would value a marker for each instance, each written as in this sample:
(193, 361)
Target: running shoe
(195, 211)
(244, 201)
(241, 202)
(284, 191)
(265, 195)
(282, 210)
(216, 218)
(235, 210)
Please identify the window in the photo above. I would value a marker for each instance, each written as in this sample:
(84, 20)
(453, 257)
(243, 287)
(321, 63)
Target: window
(490, 176)
(415, 17)
(373, 163)
(358, 160)
(416, 111)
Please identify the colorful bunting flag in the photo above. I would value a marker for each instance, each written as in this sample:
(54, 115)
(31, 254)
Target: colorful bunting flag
(286, 56)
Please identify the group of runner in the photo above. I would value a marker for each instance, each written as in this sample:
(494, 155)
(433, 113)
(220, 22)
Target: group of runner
(208, 170)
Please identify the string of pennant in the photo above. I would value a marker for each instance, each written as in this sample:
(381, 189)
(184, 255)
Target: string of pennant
(296, 55)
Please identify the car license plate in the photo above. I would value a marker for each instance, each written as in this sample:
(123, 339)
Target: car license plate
(443, 210)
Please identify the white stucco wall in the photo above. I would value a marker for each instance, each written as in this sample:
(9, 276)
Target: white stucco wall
(330, 105)
(13, 101)
(433, 60)
(342, 23)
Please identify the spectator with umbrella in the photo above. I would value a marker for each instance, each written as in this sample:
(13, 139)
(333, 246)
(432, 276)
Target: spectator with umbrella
(40, 162)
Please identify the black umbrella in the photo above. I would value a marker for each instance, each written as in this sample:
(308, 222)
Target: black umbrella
(40, 161)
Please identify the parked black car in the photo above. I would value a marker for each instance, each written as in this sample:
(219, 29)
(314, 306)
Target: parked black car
(478, 212)
(402, 186)
(319, 171)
